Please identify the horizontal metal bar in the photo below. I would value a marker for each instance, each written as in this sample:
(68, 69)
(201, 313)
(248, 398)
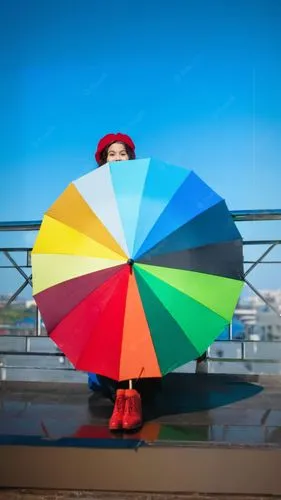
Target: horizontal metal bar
(31, 353)
(255, 215)
(263, 262)
(245, 262)
(244, 360)
(13, 267)
(261, 242)
(16, 249)
(238, 215)
(20, 225)
(245, 242)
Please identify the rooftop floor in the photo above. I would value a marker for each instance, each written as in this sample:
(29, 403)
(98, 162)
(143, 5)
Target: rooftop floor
(212, 413)
(191, 408)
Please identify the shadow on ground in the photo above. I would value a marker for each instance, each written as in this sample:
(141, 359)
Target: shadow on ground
(187, 393)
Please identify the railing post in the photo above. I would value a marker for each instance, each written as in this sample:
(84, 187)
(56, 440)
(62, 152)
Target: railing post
(38, 323)
(230, 336)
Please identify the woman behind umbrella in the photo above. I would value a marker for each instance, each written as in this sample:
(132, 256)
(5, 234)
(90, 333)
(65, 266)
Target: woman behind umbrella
(127, 411)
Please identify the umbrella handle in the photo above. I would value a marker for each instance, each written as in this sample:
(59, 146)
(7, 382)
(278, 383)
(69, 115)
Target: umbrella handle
(131, 382)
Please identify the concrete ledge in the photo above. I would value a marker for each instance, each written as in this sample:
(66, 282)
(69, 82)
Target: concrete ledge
(38, 359)
(31, 494)
(224, 470)
(72, 384)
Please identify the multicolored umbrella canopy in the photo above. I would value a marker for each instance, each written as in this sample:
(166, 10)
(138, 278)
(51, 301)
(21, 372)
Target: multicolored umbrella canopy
(137, 269)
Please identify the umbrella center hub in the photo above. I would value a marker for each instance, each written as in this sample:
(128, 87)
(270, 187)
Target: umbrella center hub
(130, 262)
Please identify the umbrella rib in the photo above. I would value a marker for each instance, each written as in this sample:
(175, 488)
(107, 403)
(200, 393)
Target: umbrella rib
(134, 210)
(82, 299)
(188, 295)
(90, 241)
(193, 247)
(160, 259)
(174, 319)
(73, 209)
(136, 250)
(176, 364)
(122, 260)
(172, 232)
(97, 190)
(186, 334)
(56, 218)
(92, 331)
(57, 279)
(90, 334)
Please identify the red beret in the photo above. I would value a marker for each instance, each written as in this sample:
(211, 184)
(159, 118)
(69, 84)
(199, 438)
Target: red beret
(109, 139)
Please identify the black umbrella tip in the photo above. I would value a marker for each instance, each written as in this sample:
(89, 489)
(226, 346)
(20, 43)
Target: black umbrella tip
(130, 262)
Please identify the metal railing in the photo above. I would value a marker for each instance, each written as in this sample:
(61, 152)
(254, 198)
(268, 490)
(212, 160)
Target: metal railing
(238, 216)
(256, 215)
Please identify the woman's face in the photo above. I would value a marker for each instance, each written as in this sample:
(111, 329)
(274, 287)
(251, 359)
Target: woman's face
(117, 152)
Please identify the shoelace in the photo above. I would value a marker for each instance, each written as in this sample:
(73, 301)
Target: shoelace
(119, 404)
(133, 404)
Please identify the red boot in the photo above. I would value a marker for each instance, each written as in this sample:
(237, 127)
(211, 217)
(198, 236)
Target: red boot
(116, 421)
(132, 419)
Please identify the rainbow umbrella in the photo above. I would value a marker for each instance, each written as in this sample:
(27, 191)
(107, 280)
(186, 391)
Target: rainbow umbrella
(137, 268)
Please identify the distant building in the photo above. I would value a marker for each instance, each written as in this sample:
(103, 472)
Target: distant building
(30, 303)
(4, 299)
(261, 322)
(268, 324)
(273, 296)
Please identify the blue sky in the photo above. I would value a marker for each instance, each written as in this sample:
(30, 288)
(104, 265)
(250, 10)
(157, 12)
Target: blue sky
(195, 82)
